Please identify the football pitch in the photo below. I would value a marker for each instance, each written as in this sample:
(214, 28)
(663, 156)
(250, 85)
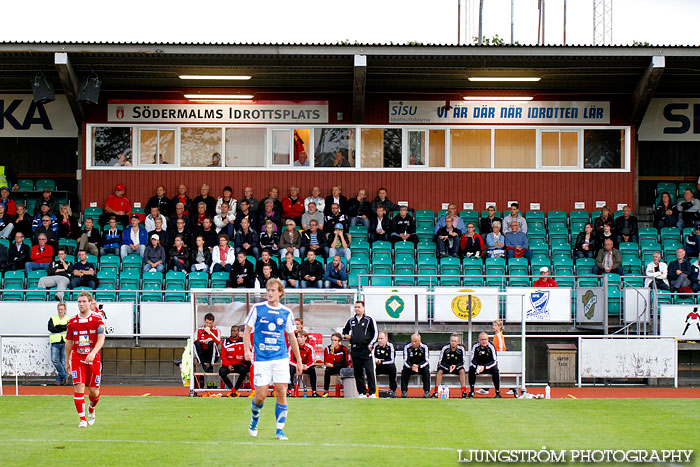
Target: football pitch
(43, 430)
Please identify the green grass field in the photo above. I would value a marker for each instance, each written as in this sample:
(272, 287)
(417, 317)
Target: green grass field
(42, 430)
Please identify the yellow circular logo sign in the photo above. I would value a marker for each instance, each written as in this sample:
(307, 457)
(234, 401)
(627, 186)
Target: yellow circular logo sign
(460, 305)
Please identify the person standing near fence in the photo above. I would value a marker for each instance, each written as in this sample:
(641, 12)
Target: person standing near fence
(361, 331)
(57, 327)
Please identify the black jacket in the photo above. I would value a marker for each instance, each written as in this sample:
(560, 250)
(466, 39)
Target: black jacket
(359, 208)
(210, 202)
(183, 254)
(56, 269)
(363, 333)
(343, 205)
(163, 204)
(207, 256)
(684, 267)
(593, 244)
(484, 356)
(415, 356)
(400, 225)
(246, 271)
(626, 226)
(449, 357)
(286, 274)
(19, 257)
(387, 204)
(314, 270)
(331, 219)
(386, 225)
(306, 238)
(251, 238)
(486, 225)
(385, 355)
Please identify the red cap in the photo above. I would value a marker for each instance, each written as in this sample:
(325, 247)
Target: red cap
(119, 187)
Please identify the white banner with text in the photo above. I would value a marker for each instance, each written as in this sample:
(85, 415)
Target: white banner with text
(455, 307)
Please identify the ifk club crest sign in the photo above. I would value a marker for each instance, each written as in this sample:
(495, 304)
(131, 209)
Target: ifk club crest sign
(537, 305)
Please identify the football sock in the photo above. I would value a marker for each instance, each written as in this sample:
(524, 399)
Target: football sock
(93, 403)
(464, 389)
(281, 416)
(255, 409)
(79, 399)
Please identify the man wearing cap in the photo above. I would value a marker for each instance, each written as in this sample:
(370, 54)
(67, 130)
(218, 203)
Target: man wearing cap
(134, 239)
(545, 280)
(117, 205)
(46, 197)
(339, 243)
(10, 205)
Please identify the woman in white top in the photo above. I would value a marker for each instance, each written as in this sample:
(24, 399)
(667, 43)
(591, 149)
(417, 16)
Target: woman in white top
(222, 255)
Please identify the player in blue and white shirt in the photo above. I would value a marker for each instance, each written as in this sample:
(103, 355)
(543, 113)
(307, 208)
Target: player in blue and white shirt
(269, 322)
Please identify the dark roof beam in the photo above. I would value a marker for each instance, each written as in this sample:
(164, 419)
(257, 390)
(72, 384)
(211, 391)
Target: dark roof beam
(358, 89)
(70, 83)
(646, 87)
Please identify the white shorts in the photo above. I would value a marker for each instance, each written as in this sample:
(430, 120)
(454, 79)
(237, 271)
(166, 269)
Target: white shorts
(271, 372)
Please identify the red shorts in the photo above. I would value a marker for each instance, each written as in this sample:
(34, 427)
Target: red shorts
(82, 373)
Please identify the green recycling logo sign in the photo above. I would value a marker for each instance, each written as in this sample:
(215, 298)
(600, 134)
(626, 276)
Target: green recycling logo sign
(394, 306)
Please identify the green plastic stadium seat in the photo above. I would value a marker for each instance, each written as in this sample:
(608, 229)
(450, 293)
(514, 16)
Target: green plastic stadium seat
(198, 279)
(14, 279)
(647, 233)
(129, 278)
(629, 248)
(108, 278)
(110, 262)
(35, 294)
(668, 187)
(219, 279)
(175, 278)
(579, 216)
(45, 183)
(34, 276)
(425, 215)
(132, 262)
(685, 186)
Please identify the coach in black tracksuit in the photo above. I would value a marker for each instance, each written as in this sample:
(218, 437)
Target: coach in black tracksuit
(484, 361)
(384, 356)
(415, 362)
(361, 330)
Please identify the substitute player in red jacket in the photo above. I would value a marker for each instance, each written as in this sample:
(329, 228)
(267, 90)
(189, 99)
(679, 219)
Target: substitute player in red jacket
(85, 336)
(232, 361)
(335, 358)
(307, 361)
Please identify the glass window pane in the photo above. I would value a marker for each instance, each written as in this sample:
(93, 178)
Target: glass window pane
(381, 147)
(166, 146)
(200, 147)
(416, 148)
(437, 148)
(603, 149)
(245, 147)
(550, 148)
(569, 148)
(335, 147)
(471, 148)
(281, 149)
(111, 146)
(302, 145)
(514, 149)
(148, 146)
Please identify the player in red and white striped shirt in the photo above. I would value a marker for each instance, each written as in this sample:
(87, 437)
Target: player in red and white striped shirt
(232, 361)
(307, 361)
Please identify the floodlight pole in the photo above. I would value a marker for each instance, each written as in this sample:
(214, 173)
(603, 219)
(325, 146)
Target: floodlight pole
(459, 21)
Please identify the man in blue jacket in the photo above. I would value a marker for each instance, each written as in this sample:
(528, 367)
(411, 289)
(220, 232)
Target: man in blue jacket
(335, 277)
(134, 239)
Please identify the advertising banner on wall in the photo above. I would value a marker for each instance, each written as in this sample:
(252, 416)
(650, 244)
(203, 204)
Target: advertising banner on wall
(671, 120)
(21, 117)
(176, 111)
(547, 304)
(454, 308)
(35, 317)
(488, 112)
(396, 304)
(590, 305)
(680, 321)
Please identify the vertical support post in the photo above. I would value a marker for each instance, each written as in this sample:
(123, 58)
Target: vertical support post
(578, 361)
(605, 308)
(2, 369)
(481, 23)
(415, 312)
(523, 360)
(564, 41)
(469, 327)
(675, 364)
(459, 22)
(512, 21)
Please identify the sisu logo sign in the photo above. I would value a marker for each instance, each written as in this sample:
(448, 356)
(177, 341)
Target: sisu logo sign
(671, 120)
(402, 110)
(20, 116)
(35, 114)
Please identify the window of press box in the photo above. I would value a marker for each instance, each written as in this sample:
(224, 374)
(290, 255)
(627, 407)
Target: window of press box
(200, 147)
(416, 148)
(156, 146)
(112, 147)
(246, 147)
(335, 147)
(514, 149)
(560, 148)
(381, 147)
(471, 148)
(603, 149)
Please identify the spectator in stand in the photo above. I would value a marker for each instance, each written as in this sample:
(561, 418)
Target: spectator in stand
(586, 244)
(605, 218)
(58, 324)
(244, 212)
(150, 222)
(359, 209)
(165, 239)
(253, 204)
(179, 227)
(200, 256)
(134, 239)
(46, 229)
(452, 361)
(657, 272)
(313, 240)
(302, 160)
(223, 255)
(116, 205)
(233, 361)
(340, 159)
(311, 272)
(331, 220)
(48, 198)
(679, 271)
(695, 276)
(608, 260)
(306, 352)
(41, 255)
(227, 197)
(335, 358)
(380, 226)
(224, 220)
(205, 198)
(495, 242)
(335, 198)
(514, 216)
(111, 239)
(67, 224)
(215, 160)
(316, 199)
(209, 233)
(457, 221)
(290, 240)
(447, 239)
(289, 271)
(484, 361)
(606, 234)
(89, 238)
(4, 257)
(265, 275)
(403, 227)
(382, 200)
(312, 214)
(37, 222)
(179, 256)
(384, 355)
(22, 222)
(160, 201)
(688, 209)
(18, 254)
(545, 280)
(154, 255)
(242, 273)
(265, 259)
(626, 227)
(269, 238)
(666, 212)
(293, 206)
(692, 242)
(84, 272)
(517, 245)
(339, 243)
(10, 205)
(471, 243)
(273, 195)
(415, 362)
(182, 198)
(270, 214)
(247, 240)
(335, 276)
(208, 338)
(6, 225)
(179, 213)
(486, 223)
(59, 275)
